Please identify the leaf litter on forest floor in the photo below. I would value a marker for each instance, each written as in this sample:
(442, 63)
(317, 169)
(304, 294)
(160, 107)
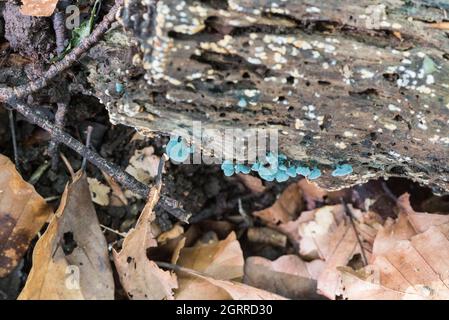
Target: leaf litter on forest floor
(23, 213)
(409, 261)
(71, 260)
(214, 272)
(140, 277)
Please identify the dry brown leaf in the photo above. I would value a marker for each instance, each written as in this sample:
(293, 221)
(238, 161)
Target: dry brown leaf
(140, 277)
(312, 194)
(71, 260)
(98, 192)
(143, 165)
(326, 234)
(252, 183)
(421, 221)
(38, 8)
(286, 207)
(23, 212)
(173, 233)
(214, 265)
(221, 260)
(412, 269)
(409, 261)
(288, 276)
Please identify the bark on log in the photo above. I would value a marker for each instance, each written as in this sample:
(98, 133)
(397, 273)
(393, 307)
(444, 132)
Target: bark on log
(361, 82)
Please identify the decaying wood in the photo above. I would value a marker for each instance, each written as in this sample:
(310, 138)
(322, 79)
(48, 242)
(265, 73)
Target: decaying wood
(360, 82)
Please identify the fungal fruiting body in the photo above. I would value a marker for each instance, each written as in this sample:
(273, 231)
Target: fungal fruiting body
(177, 149)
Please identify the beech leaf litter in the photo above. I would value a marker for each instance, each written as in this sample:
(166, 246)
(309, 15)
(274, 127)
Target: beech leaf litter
(331, 250)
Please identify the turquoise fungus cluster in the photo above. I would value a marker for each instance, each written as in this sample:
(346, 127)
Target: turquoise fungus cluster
(273, 167)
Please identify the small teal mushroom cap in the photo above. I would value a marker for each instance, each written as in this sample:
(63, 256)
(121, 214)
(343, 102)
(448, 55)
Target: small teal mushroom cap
(303, 171)
(242, 103)
(177, 150)
(281, 176)
(342, 170)
(241, 168)
(228, 168)
(255, 166)
(314, 174)
(291, 172)
(119, 87)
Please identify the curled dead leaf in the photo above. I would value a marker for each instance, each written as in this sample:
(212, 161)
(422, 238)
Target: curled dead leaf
(23, 212)
(140, 277)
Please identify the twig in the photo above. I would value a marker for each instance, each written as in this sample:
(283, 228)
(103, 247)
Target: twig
(53, 149)
(68, 165)
(38, 173)
(178, 268)
(12, 127)
(88, 141)
(58, 20)
(123, 235)
(351, 218)
(125, 179)
(24, 90)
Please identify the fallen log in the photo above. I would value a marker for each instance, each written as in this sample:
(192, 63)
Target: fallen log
(363, 83)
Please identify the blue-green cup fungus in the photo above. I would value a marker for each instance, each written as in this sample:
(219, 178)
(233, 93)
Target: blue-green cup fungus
(342, 170)
(314, 174)
(177, 150)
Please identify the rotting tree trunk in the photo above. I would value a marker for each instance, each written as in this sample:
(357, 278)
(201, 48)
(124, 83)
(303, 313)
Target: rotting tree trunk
(362, 82)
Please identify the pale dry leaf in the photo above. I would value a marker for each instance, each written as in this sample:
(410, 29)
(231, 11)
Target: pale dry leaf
(412, 269)
(312, 231)
(143, 165)
(221, 260)
(140, 277)
(99, 192)
(23, 212)
(346, 246)
(288, 276)
(286, 207)
(409, 261)
(71, 260)
(38, 8)
(421, 221)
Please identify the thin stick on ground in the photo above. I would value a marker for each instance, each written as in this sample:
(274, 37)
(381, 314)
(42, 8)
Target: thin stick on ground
(12, 128)
(88, 141)
(53, 149)
(351, 219)
(125, 179)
